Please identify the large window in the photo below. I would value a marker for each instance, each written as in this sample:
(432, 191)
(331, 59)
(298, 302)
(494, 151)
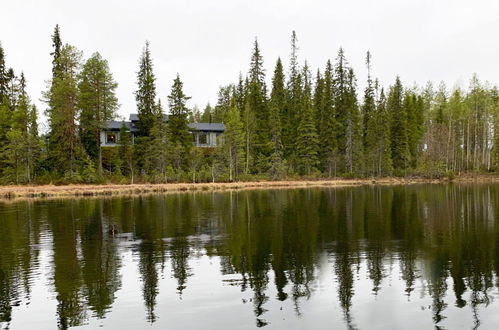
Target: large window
(111, 138)
(203, 138)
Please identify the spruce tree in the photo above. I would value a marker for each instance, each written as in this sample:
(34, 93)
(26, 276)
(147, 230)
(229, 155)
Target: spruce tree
(98, 104)
(223, 104)
(258, 105)
(354, 146)
(378, 153)
(307, 139)
(56, 53)
(342, 107)
(290, 115)
(328, 127)
(159, 149)
(369, 102)
(24, 146)
(207, 116)
(398, 129)
(181, 138)
(277, 103)
(145, 95)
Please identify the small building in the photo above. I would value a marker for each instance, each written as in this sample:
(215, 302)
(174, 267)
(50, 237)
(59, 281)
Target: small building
(203, 134)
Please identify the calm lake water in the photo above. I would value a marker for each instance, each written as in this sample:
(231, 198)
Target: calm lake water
(413, 257)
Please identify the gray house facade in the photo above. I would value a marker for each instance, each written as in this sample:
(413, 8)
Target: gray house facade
(203, 134)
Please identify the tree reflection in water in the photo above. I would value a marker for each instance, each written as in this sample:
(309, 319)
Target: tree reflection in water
(439, 238)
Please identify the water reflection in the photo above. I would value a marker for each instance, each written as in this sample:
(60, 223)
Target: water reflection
(280, 248)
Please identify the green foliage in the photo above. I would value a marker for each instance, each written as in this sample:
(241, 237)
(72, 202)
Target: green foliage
(181, 138)
(398, 129)
(97, 102)
(307, 140)
(299, 128)
(233, 141)
(145, 95)
(66, 152)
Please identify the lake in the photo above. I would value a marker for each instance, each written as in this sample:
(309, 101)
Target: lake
(373, 257)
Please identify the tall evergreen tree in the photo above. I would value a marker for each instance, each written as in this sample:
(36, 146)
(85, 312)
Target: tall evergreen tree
(342, 106)
(290, 115)
(56, 54)
(369, 102)
(65, 148)
(354, 146)
(181, 138)
(159, 149)
(98, 104)
(277, 103)
(258, 105)
(378, 153)
(145, 95)
(327, 123)
(307, 139)
(398, 129)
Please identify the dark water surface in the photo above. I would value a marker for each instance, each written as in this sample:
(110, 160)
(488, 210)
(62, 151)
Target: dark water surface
(414, 257)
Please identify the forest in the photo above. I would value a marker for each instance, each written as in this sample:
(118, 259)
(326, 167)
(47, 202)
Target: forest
(292, 123)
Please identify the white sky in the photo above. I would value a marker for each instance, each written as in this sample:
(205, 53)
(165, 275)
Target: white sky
(208, 42)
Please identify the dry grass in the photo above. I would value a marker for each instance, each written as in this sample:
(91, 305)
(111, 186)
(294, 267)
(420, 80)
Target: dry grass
(12, 192)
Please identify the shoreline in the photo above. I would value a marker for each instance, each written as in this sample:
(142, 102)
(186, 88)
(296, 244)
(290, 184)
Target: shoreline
(89, 190)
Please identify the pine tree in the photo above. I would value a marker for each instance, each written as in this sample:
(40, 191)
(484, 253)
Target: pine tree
(307, 139)
(233, 142)
(145, 95)
(65, 150)
(181, 138)
(277, 103)
(398, 129)
(98, 104)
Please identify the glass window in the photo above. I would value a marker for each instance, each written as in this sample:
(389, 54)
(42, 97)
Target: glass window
(111, 138)
(203, 138)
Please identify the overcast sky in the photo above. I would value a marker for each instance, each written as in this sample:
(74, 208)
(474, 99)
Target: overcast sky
(209, 42)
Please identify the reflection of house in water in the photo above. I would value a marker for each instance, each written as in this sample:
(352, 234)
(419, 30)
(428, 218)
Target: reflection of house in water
(203, 134)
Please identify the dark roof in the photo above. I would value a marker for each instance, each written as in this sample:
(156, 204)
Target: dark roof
(135, 117)
(212, 127)
(207, 127)
(114, 124)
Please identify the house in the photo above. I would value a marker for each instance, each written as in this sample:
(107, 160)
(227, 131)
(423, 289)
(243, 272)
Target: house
(203, 134)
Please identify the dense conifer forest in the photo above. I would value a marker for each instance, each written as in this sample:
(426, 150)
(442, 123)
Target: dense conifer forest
(305, 123)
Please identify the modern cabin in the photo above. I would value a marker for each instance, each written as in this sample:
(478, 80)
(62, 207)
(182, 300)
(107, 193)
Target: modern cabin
(203, 134)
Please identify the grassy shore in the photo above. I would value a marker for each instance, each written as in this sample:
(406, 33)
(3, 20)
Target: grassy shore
(37, 191)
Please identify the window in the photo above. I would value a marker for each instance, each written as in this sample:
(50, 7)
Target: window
(203, 138)
(111, 138)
